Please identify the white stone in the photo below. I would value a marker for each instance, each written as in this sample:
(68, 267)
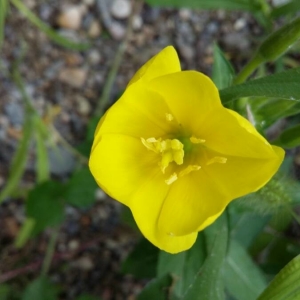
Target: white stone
(95, 29)
(121, 9)
(70, 17)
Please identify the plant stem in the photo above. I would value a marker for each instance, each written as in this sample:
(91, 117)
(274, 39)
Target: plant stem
(50, 251)
(248, 69)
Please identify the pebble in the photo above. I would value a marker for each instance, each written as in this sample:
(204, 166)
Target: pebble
(117, 31)
(83, 106)
(137, 22)
(73, 245)
(94, 57)
(280, 2)
(187, 52)
(89, 2)
(74, 77)
(61, 161)
(121, 9)
(71, 17)
(84, 263)
(185, 14)
(94, 29)
(239, 24)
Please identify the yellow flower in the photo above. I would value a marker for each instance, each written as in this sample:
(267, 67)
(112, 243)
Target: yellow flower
(171, 152)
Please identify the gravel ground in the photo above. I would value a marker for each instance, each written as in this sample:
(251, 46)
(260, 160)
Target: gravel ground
(92, 243)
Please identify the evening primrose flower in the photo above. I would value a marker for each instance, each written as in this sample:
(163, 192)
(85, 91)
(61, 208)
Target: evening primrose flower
(174, 155)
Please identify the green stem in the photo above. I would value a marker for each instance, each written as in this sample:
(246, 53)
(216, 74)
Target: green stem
(50, 251)
(250, 67)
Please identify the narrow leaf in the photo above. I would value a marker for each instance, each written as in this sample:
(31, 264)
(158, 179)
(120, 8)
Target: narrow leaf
(42, 164)
(286, 283)
(55, 37)
(289, 8)
(283, 85)
(3, 12)
(243, 279)
(247, 5)
(222, 71)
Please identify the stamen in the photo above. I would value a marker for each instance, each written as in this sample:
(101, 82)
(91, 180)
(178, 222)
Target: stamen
(189, 169)
(169, 117)
(196, 140)
(171, 179)
(170, 150)
(217, 159)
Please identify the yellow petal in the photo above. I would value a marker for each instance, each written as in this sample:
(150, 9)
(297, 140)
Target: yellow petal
(119, 164)
(165, 62)
(194, 200)
(139, 113)
(229, 134)
(240, 176)
(190, 95)
(146, 206)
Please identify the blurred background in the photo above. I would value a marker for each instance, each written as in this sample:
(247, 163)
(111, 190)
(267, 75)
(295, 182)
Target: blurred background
(62, 64)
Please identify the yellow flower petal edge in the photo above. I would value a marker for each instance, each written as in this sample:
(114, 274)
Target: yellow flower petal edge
(174, 155)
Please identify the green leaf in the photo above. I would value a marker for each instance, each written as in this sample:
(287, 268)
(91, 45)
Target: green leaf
(4, 292)
(272, 110)
(3, 12)
(208, 283)
(247, 5)
(25, 233)
(222, 71)
(157, 289)
(243, 279)
(81, 188)
(247, 227)
(183, 266)
(289, 138)
(45, 205)
(279, 41)
(283, 85)
(42, 164)
(289, 8)
(142, 261)
(40, 288)
(20, 158)
(58, 39)
(285, 286)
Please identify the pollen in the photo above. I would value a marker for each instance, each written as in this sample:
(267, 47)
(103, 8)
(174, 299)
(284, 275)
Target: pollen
(196, 140)
(169, 117)
(217, 159)
(171, 179)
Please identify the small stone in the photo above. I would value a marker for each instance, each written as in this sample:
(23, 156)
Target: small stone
(73, 245)
(84, 263)
(117, 31)
(94, 29)
(70, 17)
(121, 9)
(185, 14)
(83, 105)
(94, 57)
(187, 52)
(280, 2)
(89, 2)
(239, 24)
(14, 112)
(137, 22)
(74, 77)
(73, 59)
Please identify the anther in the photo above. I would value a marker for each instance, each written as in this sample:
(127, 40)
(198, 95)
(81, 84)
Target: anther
(171, 179)
(196, 140)
(217, 159)
(169, 117)
(189, 169)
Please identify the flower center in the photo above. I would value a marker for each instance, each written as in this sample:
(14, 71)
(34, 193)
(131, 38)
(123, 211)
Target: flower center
(170, 150)
(174, 150)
